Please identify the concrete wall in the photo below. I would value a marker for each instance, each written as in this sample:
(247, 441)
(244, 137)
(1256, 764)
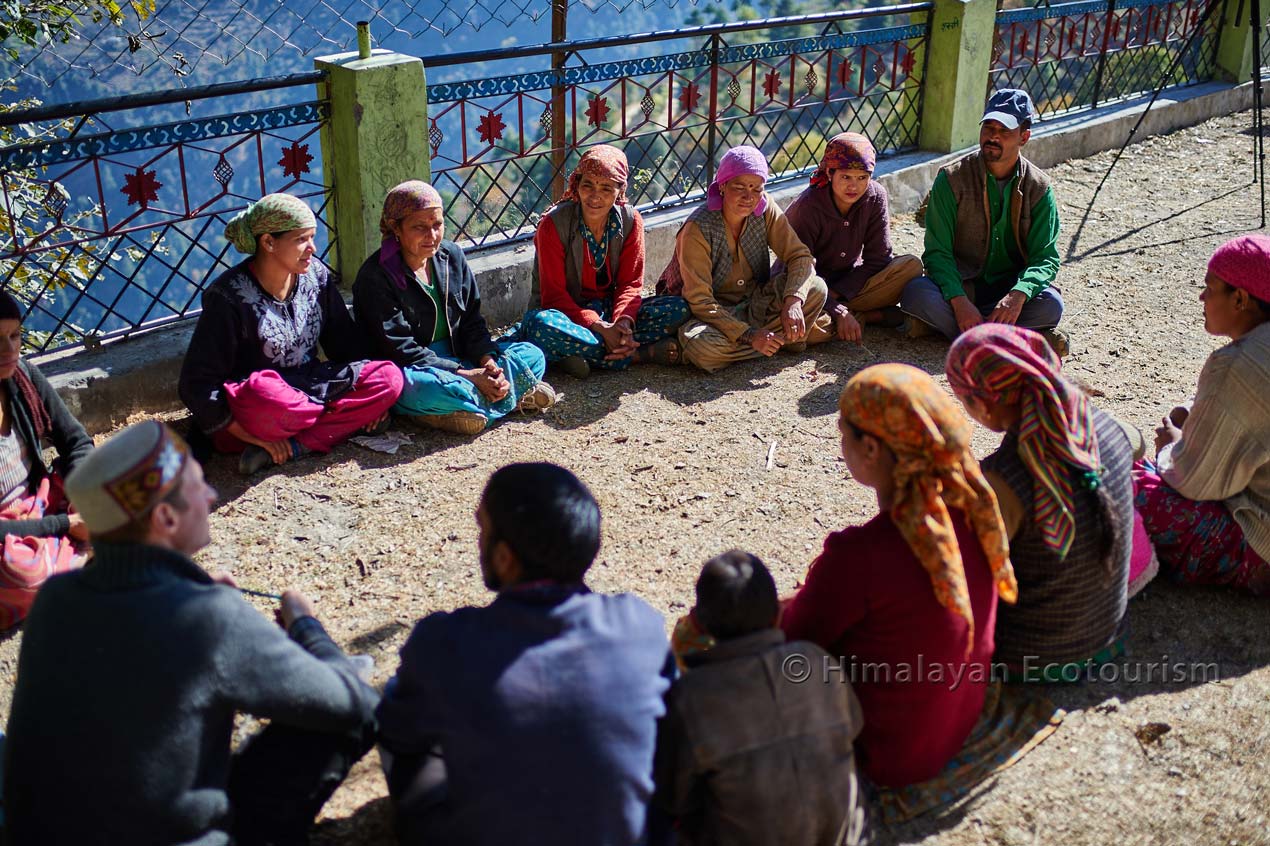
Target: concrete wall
(138, 375)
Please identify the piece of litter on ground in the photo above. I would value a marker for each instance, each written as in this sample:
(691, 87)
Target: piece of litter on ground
(388, 442)
(771, 455)
(454, 468)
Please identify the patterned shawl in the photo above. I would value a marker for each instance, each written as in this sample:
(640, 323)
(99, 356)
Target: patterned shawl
(934, 470)
(846, 149)
(271, 213)
(1005, 365)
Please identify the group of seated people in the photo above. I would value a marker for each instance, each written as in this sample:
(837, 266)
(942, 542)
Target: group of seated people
(558, 715)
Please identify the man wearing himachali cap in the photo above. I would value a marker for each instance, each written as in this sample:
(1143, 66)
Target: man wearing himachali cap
(991, 248)
(133, 668)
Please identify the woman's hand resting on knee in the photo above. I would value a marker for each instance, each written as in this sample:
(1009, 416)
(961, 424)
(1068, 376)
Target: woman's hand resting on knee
(488, 379)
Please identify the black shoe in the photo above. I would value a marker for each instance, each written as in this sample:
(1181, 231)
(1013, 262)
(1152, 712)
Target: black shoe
(253, 460)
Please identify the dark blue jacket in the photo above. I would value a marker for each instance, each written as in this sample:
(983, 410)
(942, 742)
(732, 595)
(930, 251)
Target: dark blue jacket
(530, 721)
(400, 323)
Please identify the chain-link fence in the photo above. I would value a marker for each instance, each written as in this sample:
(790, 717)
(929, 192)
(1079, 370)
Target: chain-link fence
(268, 37)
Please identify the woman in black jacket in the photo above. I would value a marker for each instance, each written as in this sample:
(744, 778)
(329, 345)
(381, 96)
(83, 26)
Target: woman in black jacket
(417, 301)
(41, 536)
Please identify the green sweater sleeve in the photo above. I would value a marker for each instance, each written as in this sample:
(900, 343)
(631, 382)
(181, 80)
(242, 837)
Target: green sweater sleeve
(1042, 247)
(941, 223)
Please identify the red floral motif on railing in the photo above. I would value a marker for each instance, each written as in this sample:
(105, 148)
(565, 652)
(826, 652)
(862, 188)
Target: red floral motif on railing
(141, 188)
(689, 97)
(772, 85)
(491, 128)
(597, 110)
(295, 160)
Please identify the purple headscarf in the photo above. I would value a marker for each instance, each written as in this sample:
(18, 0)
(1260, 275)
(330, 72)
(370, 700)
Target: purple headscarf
(739, 161)
(402, 201)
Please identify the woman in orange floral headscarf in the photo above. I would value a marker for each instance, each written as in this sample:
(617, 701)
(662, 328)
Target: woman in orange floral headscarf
(909, 599)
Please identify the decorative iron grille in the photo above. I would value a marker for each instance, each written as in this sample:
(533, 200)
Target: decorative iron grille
(1078, 55)
(128, 226)
(502, 145)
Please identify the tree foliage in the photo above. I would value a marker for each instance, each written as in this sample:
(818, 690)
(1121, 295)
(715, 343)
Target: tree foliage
(33, 23)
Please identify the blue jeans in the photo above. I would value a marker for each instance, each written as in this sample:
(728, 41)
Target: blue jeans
(923, 300)
(432, 390)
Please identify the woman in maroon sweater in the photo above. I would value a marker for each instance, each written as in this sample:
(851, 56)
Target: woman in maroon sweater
(908, 600)
(844, 219)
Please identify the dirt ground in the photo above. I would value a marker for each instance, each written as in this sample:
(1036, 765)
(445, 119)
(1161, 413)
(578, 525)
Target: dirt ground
(678, 461)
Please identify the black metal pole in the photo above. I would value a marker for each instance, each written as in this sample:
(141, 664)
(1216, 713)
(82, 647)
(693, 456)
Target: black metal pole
(1155, 95)
(1258, 121)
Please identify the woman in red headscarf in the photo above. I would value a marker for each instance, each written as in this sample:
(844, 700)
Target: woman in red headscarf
(844, 219)
(1206, 498)
(590, 269)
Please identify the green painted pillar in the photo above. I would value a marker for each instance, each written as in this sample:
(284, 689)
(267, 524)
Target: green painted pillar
(960, 54)
(377, 137)
(1234, 44)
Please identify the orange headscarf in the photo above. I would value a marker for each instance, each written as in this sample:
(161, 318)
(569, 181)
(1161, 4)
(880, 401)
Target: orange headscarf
(934, 470)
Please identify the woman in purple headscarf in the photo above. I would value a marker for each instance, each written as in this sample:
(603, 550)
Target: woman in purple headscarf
(417, 301)
(1206, 498)
(742, 307)
(844, 219)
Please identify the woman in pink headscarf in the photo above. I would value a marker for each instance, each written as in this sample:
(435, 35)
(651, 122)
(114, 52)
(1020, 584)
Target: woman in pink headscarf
(590, 269)
(742, 307)
(844, 219)
(1206, 498)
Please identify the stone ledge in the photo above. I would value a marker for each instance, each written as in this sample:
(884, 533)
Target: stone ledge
(103, 388)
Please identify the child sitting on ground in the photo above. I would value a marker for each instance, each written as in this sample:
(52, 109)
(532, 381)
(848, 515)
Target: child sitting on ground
(757, 726)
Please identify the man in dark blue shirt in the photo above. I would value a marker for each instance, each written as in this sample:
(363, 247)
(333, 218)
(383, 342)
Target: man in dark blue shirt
(533, 719)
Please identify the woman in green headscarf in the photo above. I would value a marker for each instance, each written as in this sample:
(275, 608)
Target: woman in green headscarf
(252, 377)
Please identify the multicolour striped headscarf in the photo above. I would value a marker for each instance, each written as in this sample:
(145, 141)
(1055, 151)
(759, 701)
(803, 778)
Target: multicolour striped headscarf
(934, 470)
(846, 149)
(605, 162)
(402, 201)
(271, 213)
(1007, 365)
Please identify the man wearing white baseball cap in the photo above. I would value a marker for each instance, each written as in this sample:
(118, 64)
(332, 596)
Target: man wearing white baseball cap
(991, 249)
(133, 668)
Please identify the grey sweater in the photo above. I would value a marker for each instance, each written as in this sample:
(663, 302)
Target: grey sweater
(130, 673)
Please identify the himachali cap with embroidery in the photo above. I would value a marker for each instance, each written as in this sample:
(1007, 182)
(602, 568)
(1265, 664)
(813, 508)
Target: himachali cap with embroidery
(121, 480)
(1009, 107)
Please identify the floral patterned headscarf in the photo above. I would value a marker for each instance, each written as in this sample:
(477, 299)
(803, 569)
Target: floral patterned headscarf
(271, 213)
(402, 201)
(603, 161)
(1005, 365)
(845, 150)
(934, 470)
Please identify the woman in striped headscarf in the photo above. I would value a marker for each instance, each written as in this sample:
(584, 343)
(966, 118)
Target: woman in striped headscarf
(909, 598)
(1062, 476)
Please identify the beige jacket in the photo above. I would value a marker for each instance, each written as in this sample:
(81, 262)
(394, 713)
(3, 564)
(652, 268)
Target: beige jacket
(1224, 453)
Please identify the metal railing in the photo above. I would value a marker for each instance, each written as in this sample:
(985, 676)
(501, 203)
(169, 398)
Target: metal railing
(106, 230)
(1079, 55)
(501, 145)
